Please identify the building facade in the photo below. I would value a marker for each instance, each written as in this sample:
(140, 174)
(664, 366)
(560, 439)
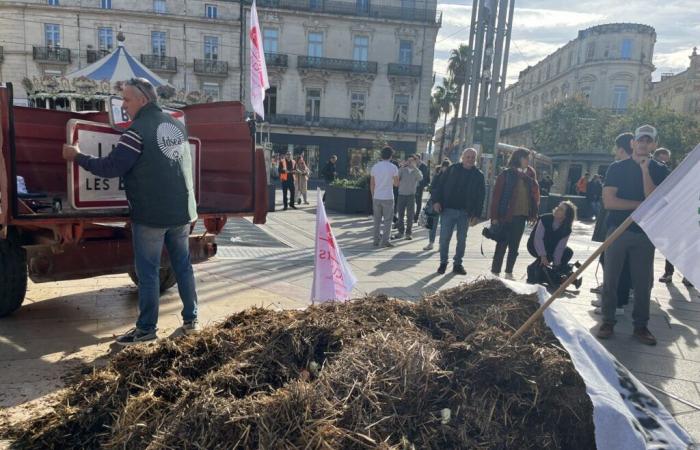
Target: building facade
(346, 76)
(193, 44)
(680, 92)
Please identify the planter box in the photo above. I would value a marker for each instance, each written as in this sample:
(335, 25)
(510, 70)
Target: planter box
(348, 200)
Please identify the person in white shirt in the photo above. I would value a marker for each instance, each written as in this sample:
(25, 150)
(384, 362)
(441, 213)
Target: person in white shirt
(384, 177)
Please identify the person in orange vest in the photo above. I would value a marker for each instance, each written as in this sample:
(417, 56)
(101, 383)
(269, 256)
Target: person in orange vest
(582, 184)
(286, 170)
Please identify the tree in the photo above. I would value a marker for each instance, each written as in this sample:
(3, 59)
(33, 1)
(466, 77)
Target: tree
(446, 97)
(572, 126)
(457, 66)
(680, 133)
(434, 117)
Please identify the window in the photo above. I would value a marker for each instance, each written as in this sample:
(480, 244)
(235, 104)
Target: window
(212, 90)
(316, 4)
(619, 98)
(571, 59)
(52, 33)
(105, 39)
(211, 47)
(159, 6)
(360, 48)
(626, 50)
(313, 105)
(53, 2)
(362, 6)
(106, 4)
(270, 102)
(405, 52)
(316, 44)
(158, 43)
(210, 11)
(360, 160)
(400, 108)
(270, 40)
(590, 51)
(357, 106)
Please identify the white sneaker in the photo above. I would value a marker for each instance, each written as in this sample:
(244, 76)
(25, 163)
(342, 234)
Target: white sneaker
(191, 327)
(429, 246)
(618, 311)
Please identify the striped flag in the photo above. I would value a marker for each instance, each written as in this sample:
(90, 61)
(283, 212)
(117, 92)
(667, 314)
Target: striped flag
(258, 69)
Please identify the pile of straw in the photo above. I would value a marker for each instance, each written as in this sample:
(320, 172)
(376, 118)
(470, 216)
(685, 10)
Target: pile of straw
(371, 373)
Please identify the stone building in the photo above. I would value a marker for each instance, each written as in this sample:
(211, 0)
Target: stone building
(347, 75)
(610, 65)
(193, 44)
(680, 92)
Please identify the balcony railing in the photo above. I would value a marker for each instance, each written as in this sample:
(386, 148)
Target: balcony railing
(350, 124)
(160, 63)
(343, 65)
(357, 8)
(96, 55)
(54, 55)
(211, 67)
(276, 59)
(406, 70)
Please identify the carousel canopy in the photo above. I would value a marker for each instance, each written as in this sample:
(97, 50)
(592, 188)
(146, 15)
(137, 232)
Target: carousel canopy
(117, 66)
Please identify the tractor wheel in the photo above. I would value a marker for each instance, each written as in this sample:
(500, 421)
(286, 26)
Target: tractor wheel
(13, 276)
(167, 278)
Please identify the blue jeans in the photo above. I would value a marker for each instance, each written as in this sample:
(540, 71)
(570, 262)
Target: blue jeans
(148, 248)
(433, 230)
(450, 219)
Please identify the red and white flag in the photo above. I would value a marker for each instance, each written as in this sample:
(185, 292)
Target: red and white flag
(258, 69)
(333, 279)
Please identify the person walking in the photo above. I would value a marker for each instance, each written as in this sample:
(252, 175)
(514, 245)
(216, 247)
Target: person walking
(154, 159)
(594, 194)
(286, 170)
(546, 184)
(516, 200)
(432, 232)
(582, 184)
(409, 179)
(627, 184)
(425, 182)
(459, 199)
(301, 179)
(384, 176)
(329, 172)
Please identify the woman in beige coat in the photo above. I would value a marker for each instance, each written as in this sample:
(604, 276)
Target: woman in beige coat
(301, 179)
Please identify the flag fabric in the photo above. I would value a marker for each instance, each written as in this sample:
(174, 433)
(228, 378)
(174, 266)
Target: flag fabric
(258, 69)
(333, 279)
(670, 216)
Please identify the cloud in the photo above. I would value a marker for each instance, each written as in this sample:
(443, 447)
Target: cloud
(529, 19)
(676, 61)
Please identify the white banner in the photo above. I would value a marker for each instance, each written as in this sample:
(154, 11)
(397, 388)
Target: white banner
(258, 68)
(670, 216)
(625, 414)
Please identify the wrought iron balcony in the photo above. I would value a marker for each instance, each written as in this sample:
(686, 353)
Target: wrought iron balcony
(357, 8)
(54, 55)
(350, 124)
(160, 63)
(96, 55)
(276, 59)
(211, 67)
(343, 65)
(406, 70)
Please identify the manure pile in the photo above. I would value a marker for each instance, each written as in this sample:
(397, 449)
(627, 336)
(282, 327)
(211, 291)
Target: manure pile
(372, 373)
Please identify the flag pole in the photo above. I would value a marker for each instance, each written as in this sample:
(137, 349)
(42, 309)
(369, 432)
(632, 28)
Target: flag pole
(537, 314)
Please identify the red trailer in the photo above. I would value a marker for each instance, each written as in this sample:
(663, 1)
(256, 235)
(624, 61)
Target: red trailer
(45, 235)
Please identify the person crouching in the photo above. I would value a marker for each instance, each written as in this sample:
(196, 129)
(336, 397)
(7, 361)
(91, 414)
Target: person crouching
(548, 244)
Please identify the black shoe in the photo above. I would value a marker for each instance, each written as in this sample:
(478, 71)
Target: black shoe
(136, 336)
(459, 269)
(285, 208)
(442, 268)
(293, 207)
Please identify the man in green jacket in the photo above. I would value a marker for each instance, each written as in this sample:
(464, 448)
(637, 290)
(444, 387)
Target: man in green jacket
(154, 159)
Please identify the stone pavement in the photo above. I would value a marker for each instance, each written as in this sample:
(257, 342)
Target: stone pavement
(64, 325)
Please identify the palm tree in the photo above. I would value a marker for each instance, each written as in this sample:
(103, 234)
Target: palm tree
(434, 117)
(445, 97)
(457, 67)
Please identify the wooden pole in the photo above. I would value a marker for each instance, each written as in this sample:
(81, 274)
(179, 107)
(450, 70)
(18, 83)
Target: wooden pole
(537, 314)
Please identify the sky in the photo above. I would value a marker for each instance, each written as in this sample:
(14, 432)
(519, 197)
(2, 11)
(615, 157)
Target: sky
(542, 26)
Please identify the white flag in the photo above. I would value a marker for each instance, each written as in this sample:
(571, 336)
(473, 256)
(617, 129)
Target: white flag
(333, 279)
(670, 216)
(258, 68)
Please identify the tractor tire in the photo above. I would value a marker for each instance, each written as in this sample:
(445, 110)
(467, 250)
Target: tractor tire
(13, 277)
(167, 278)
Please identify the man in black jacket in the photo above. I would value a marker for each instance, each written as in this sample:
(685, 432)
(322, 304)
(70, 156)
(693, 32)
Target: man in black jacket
(329, 170)
(425, 182)
(459, 199)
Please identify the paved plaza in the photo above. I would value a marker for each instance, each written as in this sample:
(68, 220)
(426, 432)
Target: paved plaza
(65, 325)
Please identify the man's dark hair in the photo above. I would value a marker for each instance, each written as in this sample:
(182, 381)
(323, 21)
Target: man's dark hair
(445, 163)
(514, 161)
(387, 152)
(624, 141)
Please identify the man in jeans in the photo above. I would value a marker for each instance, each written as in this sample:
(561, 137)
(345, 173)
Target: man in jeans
(154, 158)
(409, 179)
(425, 182)
(627, 184)
(384, 177)
(459, 198)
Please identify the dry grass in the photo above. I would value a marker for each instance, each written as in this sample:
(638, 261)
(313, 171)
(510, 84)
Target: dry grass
(372, 373)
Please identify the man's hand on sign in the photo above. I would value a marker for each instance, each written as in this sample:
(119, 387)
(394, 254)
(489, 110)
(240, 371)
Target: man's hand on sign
(70, 152)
